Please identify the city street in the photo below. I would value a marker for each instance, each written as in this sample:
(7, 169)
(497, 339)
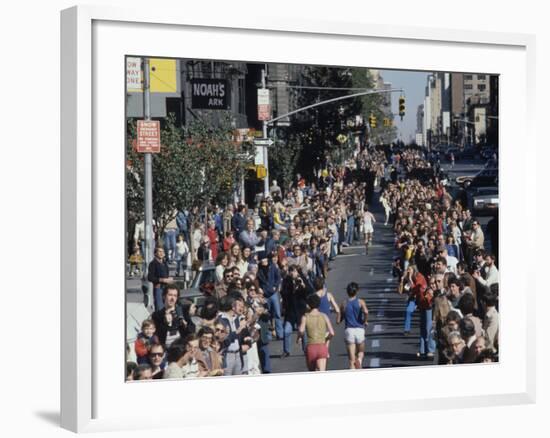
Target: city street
(265, 179)
(386, 345)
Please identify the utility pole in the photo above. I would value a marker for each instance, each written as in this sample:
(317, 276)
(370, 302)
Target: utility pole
(264, 129)
(148, 185)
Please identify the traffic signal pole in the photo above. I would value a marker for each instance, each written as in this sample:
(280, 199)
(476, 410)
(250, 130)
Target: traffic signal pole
(148, 185)
(264, 129)
(324, 102)
(335, 99)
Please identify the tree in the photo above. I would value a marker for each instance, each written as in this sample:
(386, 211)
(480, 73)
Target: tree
(373, 104)
(284, 157)
(317, 129)
(197, 165)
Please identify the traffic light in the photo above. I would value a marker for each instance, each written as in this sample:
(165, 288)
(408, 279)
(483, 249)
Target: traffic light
(401, 107)
(342, 138)
(261, 171)
(372, 121)
(387, 121)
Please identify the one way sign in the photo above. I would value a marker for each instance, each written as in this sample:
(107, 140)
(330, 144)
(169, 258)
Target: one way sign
(263, 142)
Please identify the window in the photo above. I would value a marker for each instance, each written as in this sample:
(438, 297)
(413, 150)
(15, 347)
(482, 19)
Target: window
(468, 77)
(468, 86)
(481, 77)
(481, 87)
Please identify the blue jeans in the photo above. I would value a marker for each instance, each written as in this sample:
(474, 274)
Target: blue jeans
(170, 244)
(274, 307)
(333, 249)
(427, 343)
(351, 229)
(411, 307)
(265, 361)
(159, 303)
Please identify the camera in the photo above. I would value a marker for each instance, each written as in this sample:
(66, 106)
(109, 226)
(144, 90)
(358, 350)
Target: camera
(177, 320)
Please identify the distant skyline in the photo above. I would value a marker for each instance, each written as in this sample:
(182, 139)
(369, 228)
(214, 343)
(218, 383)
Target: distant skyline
(413, 84)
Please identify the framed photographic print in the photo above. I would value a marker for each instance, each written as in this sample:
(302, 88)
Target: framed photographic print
(298, 209)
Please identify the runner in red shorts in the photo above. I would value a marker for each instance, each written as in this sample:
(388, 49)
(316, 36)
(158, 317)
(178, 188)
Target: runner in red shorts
(319, 329)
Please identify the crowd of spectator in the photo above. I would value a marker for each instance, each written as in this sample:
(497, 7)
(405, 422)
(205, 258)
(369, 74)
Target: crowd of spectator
(443, 268)
(270, 261)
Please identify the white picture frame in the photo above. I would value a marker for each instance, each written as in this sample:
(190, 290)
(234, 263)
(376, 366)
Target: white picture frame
(92, 396)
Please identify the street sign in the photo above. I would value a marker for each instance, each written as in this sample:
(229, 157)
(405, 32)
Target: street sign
(264, 108)
(263, 142)
(134, 79)
(148, 136)
(210, 94)
(259, 155)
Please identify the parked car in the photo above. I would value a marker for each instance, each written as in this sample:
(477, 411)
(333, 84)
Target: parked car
(484, 201)
(488, 176)
(467, 154)
(488, 152)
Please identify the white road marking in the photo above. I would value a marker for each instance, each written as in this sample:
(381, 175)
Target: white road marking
(377, 328)
(380, 313)
(389, 280)
(385, 300)
(347, 255)
(375, 343)
(387, 289)
(374, 362)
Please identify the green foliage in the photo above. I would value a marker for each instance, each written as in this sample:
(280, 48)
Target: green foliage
(196, 166)
(283, 159)
(316, 130)
(373, 104)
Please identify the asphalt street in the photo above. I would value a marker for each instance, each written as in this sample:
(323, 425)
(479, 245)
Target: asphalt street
(386, 346)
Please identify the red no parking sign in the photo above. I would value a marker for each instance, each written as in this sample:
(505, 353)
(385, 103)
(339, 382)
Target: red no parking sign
(148, 136)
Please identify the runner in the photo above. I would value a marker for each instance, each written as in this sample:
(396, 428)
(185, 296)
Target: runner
(368, 227)
(355, 313)
(318, 329)
(328, 302)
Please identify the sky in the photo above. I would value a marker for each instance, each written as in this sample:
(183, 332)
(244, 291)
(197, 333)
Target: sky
(413, 84)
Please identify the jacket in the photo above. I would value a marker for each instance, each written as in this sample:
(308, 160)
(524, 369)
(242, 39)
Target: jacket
(269, 279)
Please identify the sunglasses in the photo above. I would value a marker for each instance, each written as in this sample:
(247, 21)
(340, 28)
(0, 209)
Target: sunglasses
(156, 354)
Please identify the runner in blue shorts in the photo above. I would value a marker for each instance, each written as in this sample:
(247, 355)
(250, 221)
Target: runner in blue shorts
(355, 313)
